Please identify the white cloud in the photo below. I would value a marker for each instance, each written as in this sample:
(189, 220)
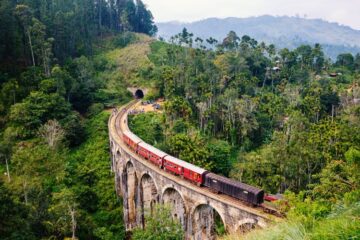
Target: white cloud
(345, 12)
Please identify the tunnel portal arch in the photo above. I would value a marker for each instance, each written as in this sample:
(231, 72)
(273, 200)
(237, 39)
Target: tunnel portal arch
(139, 94)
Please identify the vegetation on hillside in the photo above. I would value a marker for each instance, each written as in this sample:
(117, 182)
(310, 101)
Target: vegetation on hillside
(55, 83)
(286, 121)
(159, 225)
(273, 118)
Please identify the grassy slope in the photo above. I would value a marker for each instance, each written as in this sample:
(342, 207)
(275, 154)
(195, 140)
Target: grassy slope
(123, 64)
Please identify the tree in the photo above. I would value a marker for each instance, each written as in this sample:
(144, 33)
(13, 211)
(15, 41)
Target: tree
(24, 14)
(219, 154)
(42, 46)
(52, 133)
(159, 225)
(65, 211)
(190, 149)
(15, 217)
(357, 62)
(335, 181)
(36, 168)
(148, 127)
(319, 58)
(345, 60)
(144, 19)
(231, 41)
(178, 107)
(36, 110)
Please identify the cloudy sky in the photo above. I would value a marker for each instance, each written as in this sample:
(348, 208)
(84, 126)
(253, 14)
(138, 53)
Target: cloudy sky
(346, 12)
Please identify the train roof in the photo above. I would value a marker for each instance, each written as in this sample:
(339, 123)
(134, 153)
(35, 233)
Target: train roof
(152, 149)
(235, 183)
(132, 136)
(185, 164)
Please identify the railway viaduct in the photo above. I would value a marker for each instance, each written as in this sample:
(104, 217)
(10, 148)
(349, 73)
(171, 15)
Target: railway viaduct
(142, 185)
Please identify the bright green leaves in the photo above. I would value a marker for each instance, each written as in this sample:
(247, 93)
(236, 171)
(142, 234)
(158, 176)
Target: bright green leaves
(149, 127)
(37, 109)
(159, 225)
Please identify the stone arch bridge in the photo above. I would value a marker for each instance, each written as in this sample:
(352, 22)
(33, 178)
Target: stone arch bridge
(142, 185)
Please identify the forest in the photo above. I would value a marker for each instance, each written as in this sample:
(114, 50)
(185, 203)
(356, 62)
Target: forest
(55, 179)
(285, 120)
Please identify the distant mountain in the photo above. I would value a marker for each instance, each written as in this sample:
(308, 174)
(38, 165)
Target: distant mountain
(287, 32)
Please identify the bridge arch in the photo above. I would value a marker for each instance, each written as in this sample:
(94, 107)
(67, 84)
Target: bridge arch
(174, 198)
(130, 196)
(204, 221)
(149, 194)
(118, 156)
(246, 225)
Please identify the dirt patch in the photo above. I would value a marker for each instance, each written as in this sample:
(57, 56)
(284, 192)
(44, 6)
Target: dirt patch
(144, 106)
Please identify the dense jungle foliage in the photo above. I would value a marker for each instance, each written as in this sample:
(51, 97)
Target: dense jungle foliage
(287, 121)
(55, 179)
(284, 120)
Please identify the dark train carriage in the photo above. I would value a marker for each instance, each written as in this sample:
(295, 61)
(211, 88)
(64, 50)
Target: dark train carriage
(234, 188)
(150, 153)
(131, 140)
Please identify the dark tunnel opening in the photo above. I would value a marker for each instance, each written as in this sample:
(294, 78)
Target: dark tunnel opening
(139, 94)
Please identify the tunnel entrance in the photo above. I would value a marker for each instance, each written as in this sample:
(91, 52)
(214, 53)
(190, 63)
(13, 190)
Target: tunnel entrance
(139, 94)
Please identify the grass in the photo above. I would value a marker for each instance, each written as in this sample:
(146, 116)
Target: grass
(124, 64)
(339, 225)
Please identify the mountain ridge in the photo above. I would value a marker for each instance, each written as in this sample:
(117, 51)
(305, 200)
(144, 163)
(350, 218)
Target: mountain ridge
(283, 31)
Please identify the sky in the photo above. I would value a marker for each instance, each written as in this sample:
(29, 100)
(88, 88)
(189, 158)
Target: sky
(345, 12)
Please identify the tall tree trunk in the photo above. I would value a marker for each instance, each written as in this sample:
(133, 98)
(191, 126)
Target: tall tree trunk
(73, 222)
(100, 24)
(7, 169)
(25, 192)
(31, 48)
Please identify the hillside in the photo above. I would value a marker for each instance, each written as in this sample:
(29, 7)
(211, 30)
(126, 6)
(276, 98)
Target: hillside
(284, 32)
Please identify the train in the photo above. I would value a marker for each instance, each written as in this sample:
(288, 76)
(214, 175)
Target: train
(192, 173)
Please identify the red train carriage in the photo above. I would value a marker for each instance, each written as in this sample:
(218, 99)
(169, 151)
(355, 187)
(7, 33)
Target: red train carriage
(194, 173)
(182, 168)
(156, 156)
(150, 153)
(173, 165)
(131, 140)
(142, 150)
(272, 198)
